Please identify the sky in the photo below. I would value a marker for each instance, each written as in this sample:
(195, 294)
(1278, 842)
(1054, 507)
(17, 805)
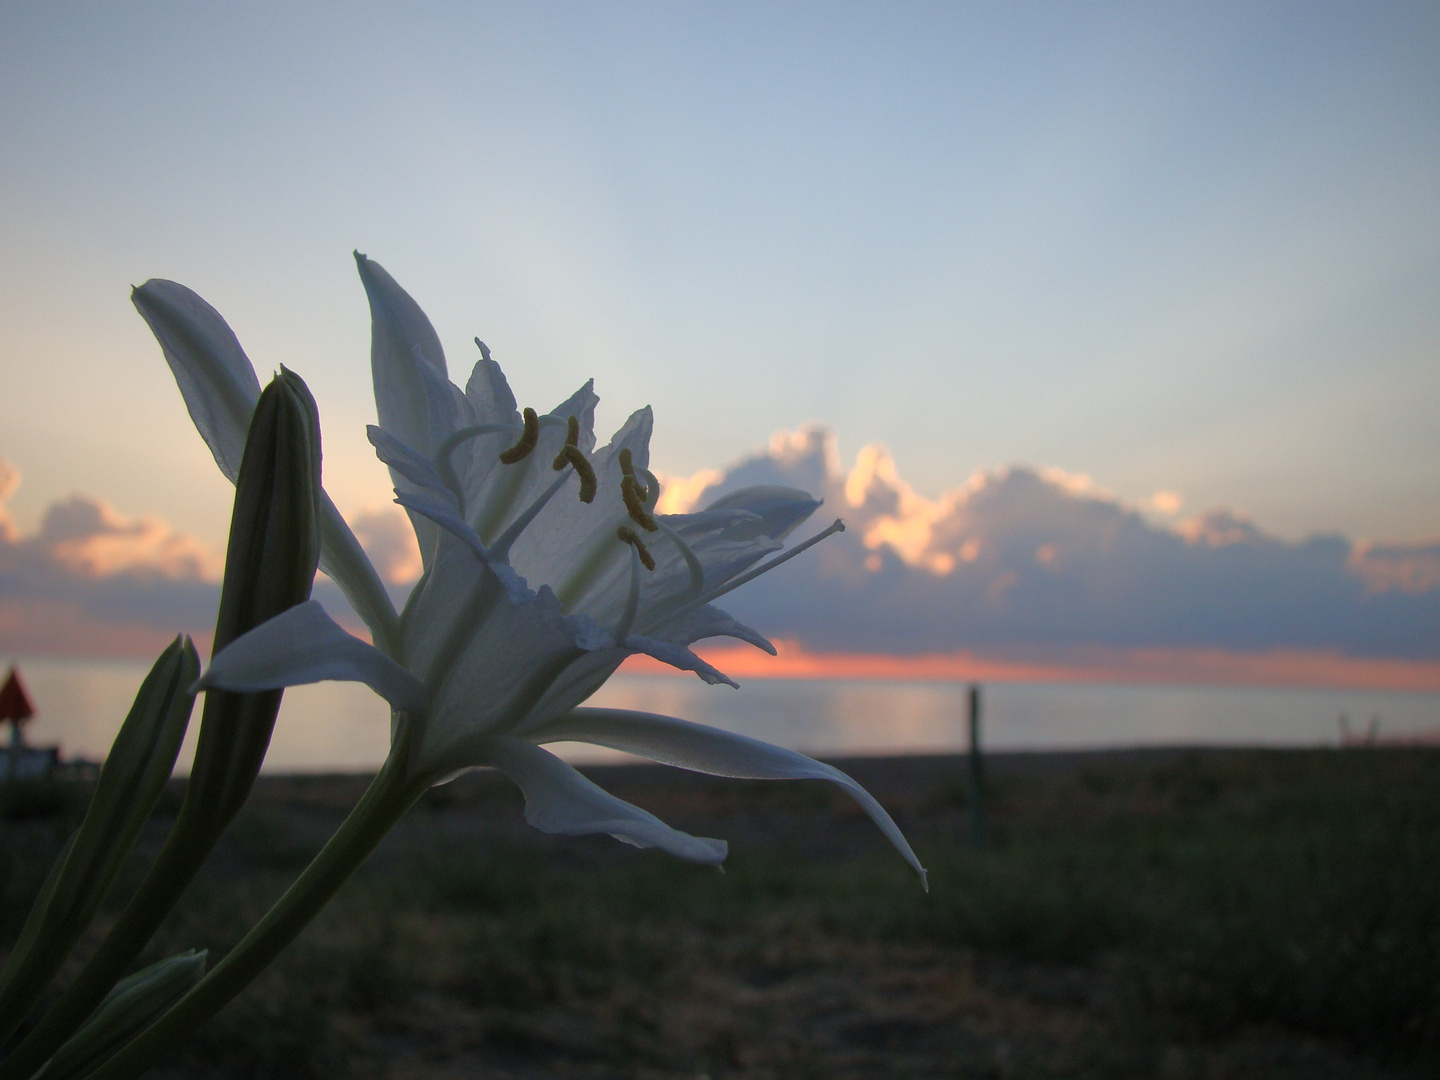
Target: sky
(1176, 260)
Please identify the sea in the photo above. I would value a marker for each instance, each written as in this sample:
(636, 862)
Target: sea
(337, 727)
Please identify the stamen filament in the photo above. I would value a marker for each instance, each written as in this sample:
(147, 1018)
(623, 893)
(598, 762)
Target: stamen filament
(444, 454)
(632, 599)
(692, 561)
(501, 548)
(749, 575)
(504, 488)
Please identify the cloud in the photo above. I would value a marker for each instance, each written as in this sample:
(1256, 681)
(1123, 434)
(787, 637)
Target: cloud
(1406, 568)
(89, 538)
(91, 581)
(388, 539)
(1019, 559)
(1017, 565)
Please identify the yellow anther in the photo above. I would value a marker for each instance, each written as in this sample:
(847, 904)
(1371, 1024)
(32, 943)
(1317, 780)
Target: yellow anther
(634, 496)
(627, 462)
(572, 431)
(629, 536)
(571, 455)
(528, 438)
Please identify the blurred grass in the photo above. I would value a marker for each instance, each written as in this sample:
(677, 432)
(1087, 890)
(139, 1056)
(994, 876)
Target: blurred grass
(1156, 913)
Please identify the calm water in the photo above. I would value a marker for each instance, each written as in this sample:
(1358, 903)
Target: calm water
(344, 727)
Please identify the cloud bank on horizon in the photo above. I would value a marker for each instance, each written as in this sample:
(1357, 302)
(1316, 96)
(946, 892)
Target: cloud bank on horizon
(1030, 560)
(1018, 562)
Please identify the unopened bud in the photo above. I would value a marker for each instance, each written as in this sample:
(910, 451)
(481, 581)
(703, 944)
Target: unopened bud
(126, 1010)
(269, 567)
(135, 771)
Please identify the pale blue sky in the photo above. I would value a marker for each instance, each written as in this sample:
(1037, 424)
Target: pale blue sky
(1188, 247)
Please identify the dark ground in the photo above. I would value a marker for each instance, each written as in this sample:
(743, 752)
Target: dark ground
(1171, 914)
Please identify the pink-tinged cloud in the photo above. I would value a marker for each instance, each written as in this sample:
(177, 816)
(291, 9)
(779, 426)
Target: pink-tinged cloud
(388, 538)
(1021, 562)
(92, 582)
(1018, 573)
(1407, 568)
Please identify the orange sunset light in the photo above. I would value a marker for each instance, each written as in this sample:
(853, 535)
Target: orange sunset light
(1084, 664)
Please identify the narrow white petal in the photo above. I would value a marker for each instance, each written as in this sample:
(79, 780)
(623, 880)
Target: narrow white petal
(710, 621)
(304, 645)
(710, 750)
(214, 374)
(407, 366)
(678, 656)
(581, 405)
(342, 557)
(749, 575)
(780, 509)
(442, 511)
(489, 394)
(401, 337)
(220, 390)
(560, 800)
(417, 468)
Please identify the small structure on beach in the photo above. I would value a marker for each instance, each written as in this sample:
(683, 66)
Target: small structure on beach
(20, 761)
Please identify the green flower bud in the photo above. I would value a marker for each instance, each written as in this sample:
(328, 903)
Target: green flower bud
(139, 763)
(126, 1010)
(269, 567)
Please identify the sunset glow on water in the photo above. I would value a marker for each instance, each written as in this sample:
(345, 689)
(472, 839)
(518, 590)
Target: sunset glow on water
(344, 727)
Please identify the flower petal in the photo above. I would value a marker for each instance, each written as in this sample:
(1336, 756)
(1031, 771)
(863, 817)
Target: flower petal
(494, 496)
(573, 546)
(710, 621)
(414, 399)
(215, 376)
(304, 645)
(680, 657)
(342, 557)
(780, 509)
(401, 338)
(710, 750)
(442, 512)
(559, 800)
(489, 394)
(220, 389)
(416, 468)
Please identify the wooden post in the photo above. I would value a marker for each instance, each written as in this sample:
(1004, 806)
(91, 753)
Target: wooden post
(977, 771)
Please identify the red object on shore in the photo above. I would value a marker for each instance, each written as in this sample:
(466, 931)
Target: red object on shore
(14, 703)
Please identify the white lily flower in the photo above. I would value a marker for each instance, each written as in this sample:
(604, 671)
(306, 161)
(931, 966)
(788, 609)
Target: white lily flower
(544, 568)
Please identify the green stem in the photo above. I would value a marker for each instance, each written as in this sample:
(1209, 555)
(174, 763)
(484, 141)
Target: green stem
(384, 802)
(185, 849)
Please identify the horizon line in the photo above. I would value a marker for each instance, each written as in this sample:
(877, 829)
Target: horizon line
(1282, 668)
